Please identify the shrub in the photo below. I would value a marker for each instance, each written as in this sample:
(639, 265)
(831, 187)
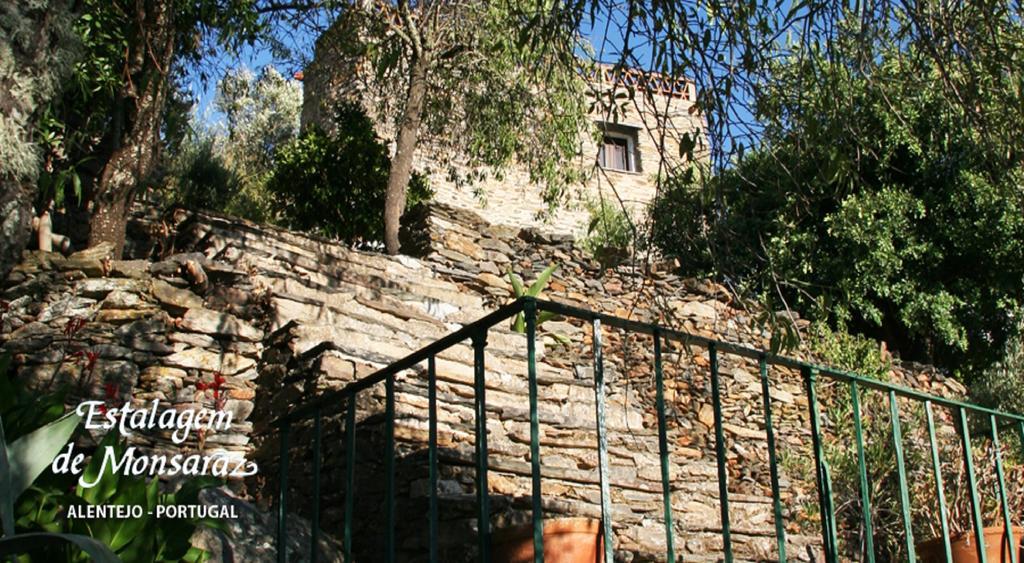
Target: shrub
(199, 177)
(888, 217)
(609, 232)
(335, 184)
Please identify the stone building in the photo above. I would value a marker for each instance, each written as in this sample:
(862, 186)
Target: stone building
(619, 157)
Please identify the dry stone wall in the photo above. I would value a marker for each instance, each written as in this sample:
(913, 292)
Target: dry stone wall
(285, 317)
(136, 331)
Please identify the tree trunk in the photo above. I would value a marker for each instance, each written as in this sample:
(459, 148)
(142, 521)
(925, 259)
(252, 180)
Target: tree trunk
(137, 147)
(401, 163)
(15, 222)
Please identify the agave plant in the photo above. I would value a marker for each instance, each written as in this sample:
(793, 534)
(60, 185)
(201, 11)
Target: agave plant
(535, 289)
(33, 499)
(21, 462)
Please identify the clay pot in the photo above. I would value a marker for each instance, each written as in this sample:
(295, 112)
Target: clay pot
(965, 549)
(566, 540)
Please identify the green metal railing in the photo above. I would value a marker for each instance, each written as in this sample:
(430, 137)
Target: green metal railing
(346, 399)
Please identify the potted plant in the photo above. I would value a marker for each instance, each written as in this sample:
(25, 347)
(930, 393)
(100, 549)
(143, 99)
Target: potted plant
(566, 540)
(962, 538)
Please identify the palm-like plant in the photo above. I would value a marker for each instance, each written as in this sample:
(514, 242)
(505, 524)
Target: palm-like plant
(520, 290)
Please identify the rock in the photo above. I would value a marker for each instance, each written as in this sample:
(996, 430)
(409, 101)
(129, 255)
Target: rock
(97, 252)
(136, 269)
(175, 297)
(492, 280)
(463, 246)
(239, 409)
(706, 415)
(697, 310)
(743, 431)
(212, 322)
(100, 287)
(118, 299)
(195, 358)
(118, 316)
(70, 306)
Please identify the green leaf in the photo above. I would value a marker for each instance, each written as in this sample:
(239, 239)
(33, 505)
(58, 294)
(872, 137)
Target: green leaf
(517, 284)
(31, 454)
(106, 485)
(6, 501)
(545, 316)
(542, 281)
(560, 338)
(519, 323)
(123, 531)
(27, 543)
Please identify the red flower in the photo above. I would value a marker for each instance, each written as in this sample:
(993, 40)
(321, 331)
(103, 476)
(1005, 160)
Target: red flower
(91, 358)
(88, 357)
(73, 326)
(216, 385)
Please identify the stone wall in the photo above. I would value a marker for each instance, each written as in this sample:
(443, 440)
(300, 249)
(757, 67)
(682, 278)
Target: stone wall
(286, 316)
(137, 331)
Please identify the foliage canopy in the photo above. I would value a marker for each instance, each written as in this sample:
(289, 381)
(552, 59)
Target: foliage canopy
(874, 207)
(334, 184)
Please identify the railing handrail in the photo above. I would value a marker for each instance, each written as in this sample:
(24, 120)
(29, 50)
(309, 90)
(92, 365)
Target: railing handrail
(529, 307)
(336, 397)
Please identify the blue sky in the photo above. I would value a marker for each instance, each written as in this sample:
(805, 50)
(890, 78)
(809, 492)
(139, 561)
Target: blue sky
(302, 42)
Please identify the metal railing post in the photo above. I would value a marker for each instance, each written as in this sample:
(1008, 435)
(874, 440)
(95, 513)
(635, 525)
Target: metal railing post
(862, 470)
(482, 490)
(389, 469)
(666, 493)
(773, 462)
(1007, 521)
(602, 444)
(939, 487)
(282, 495)
(824, 500)
(723, 473)
(350, 476)
(901, 473)
(432, 456)
(314, 532)
(972, 485)
(530, 313)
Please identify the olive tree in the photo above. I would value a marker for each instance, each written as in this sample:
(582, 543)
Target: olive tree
(475, 80)
(37, 51)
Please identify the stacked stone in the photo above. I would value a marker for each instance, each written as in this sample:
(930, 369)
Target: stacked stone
(135, 331)
(368, 311)
(334, 315)
(341, 314)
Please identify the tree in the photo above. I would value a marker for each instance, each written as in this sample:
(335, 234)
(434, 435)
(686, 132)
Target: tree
(869, 204)
(262, 114)
(37, 51)
(473, 80)
(132, 53)
(334, 184)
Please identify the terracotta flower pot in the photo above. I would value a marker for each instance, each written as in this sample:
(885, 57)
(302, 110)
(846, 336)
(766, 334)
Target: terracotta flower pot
(566, 540)
(965, 549)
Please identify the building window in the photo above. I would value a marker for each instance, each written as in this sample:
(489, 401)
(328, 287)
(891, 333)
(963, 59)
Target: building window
(617, 150)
